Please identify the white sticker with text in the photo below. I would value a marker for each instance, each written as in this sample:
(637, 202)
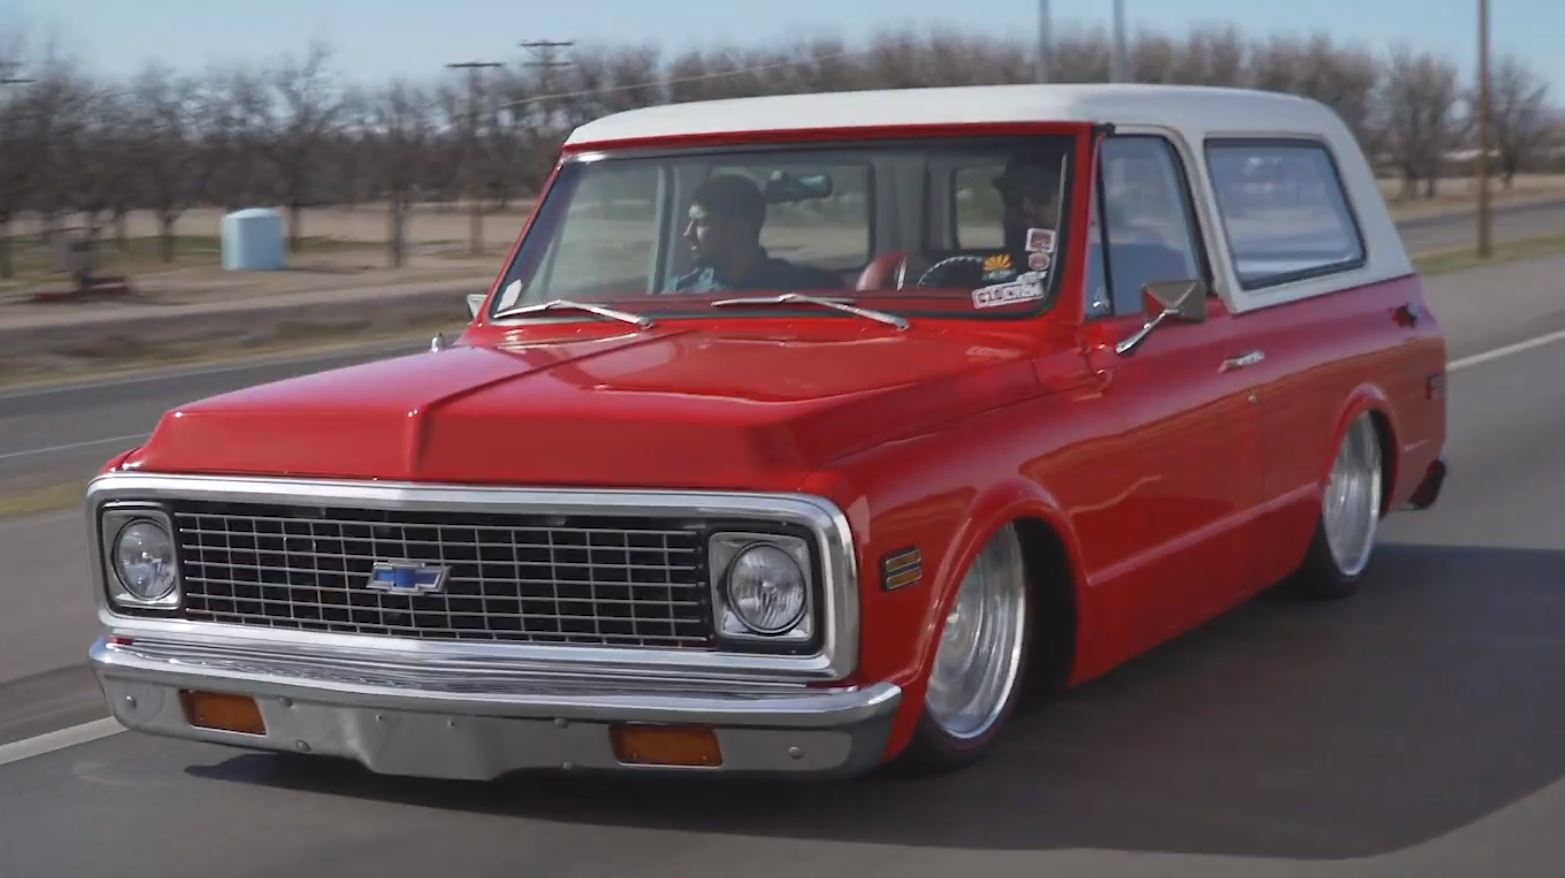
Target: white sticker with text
(1006, 294)
(1040, 240)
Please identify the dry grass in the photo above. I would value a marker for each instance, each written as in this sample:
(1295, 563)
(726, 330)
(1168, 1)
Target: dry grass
(32, 501)
(1508, 251)
(1459, 194)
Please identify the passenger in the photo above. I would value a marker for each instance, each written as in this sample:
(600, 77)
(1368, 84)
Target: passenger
(724, 234)
(1029, 190)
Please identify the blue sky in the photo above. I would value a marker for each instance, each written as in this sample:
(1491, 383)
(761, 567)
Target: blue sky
(379, 39)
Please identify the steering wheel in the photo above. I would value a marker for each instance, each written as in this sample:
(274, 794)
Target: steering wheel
(926, 279)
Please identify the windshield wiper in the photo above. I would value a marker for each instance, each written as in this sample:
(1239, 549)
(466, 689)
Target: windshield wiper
(900, 323)
(554, 304)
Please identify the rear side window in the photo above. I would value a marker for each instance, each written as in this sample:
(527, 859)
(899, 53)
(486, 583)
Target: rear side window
(1284, 211)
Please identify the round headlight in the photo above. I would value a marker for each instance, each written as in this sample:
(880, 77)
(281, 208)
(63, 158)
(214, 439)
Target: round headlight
(766, 590)
(144, 560)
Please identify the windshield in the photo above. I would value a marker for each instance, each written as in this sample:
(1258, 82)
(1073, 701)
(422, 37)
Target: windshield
(957, 227)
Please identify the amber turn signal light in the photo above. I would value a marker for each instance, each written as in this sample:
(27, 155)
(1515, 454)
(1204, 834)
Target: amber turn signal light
(221, 711)
(667, 745)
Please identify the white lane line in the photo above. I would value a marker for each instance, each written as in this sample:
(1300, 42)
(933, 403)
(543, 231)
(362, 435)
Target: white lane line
(1506, 351)
(68, 446)
(59, 740)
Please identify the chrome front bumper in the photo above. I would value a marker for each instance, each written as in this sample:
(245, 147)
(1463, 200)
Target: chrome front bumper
(479, 723)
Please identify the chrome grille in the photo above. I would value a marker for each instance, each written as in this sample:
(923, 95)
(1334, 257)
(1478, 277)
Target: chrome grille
(570, 580)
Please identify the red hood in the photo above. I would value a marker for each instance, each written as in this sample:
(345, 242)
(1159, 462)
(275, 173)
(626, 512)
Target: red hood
(681, 407)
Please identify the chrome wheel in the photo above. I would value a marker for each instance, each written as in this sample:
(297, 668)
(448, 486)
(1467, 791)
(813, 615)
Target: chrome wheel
(1350, 510)
(980, 653)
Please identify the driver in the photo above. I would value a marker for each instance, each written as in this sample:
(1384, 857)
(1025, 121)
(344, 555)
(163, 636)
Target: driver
(1029, 189)
(727, 212)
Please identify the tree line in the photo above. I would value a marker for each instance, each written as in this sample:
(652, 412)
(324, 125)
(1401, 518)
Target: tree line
(293, 133)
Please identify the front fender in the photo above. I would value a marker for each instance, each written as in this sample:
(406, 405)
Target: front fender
(900, 628)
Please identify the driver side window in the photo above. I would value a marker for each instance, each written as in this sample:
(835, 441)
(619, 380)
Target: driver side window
(1143, 223)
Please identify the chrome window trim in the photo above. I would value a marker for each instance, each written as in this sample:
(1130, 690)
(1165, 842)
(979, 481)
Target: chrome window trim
(836, 658)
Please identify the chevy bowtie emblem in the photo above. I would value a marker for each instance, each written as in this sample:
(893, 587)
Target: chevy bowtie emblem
(408, 577)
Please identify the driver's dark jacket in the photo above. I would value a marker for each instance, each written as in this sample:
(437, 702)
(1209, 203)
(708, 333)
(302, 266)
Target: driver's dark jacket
(766, 274)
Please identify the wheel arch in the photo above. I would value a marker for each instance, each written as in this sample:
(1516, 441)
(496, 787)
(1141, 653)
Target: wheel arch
(1372, 400)
(1051, 558)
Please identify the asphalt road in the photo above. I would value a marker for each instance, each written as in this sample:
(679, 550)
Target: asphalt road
(67, 431)
(1536, 220)
(1412, 730)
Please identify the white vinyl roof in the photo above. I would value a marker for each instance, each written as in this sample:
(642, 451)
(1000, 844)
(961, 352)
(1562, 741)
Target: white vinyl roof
(1195, 110)
(1189, 115)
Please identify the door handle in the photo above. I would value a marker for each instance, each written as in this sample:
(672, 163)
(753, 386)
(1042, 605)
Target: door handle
(1246, 359)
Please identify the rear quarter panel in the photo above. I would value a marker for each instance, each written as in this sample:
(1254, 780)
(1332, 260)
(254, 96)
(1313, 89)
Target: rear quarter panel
(1329, 358)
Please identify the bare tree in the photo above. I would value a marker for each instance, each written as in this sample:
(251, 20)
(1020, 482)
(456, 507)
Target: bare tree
(1518, 110)
(166, 108)
(53, 109)
(96, 147)
(1343, 78)
(15, 146)
(306, 111)
(349, 171)
(233, 106)
(1082, 56)
(1421, 125)
(401, 131)
(1212, 56)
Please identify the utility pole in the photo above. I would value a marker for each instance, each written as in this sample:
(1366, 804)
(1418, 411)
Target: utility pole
(1484, 242)
(1117, 57)
(1045, 42)
(474, 182)
(545, 62)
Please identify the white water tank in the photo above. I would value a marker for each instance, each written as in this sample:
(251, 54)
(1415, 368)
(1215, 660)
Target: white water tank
(253, 240)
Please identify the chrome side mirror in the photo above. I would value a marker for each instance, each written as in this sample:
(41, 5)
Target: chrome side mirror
(1183, 300)
(475, 301)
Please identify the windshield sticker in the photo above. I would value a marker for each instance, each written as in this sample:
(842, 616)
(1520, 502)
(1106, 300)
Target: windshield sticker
(509, 295)
(998, 264)
(1040, 240)
(1038, 260)
(1006, 294)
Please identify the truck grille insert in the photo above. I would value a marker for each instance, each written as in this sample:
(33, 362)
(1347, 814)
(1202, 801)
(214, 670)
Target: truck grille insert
(595, 580)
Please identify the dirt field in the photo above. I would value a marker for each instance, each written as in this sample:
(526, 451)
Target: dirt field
(1461, 193)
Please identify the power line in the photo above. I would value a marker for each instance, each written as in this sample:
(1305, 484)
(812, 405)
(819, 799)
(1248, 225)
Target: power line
(679, 80)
